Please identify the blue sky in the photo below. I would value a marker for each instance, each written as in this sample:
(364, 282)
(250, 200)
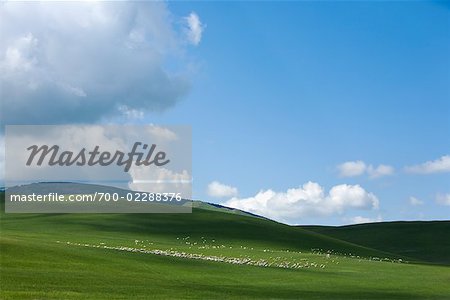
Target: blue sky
(288, 91)
(281, 94)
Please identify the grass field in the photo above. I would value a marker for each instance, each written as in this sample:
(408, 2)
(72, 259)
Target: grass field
(424, 241)
(210, 254)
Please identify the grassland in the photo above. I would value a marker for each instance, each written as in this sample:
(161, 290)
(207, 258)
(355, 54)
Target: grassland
(207, 254)
(423, 241)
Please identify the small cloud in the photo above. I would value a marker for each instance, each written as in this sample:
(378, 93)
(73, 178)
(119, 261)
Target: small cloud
(440, 165)
(219, 190)
(194, 28)
(352, 168)
(414, 201)
(443, 199)
(380, 171)
(358, 168)
(360, 220)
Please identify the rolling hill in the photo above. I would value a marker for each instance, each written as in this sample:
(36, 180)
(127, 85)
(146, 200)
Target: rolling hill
(210, 253)
(423, 241)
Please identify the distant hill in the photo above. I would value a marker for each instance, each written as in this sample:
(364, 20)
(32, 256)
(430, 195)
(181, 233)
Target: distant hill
(221, 208)
(416, 241)
(421, 240)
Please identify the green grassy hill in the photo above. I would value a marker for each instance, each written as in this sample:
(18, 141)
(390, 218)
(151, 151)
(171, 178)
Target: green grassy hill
(423, 241)
(206, 254)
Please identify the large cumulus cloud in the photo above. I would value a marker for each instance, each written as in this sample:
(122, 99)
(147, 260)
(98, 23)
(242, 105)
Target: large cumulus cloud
(69, 62)
(308, 200)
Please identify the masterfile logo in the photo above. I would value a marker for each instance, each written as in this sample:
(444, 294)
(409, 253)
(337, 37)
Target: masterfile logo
(115, 168)
(91, 158)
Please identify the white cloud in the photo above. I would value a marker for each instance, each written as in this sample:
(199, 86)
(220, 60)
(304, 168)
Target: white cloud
(436, 166)
(360, 220)
(352, 168)
(414, 201)
(194, 30)
(381, 170)
(217, 189)
(72, 62)
(357, 168)
(306, 201)
(443, 199)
